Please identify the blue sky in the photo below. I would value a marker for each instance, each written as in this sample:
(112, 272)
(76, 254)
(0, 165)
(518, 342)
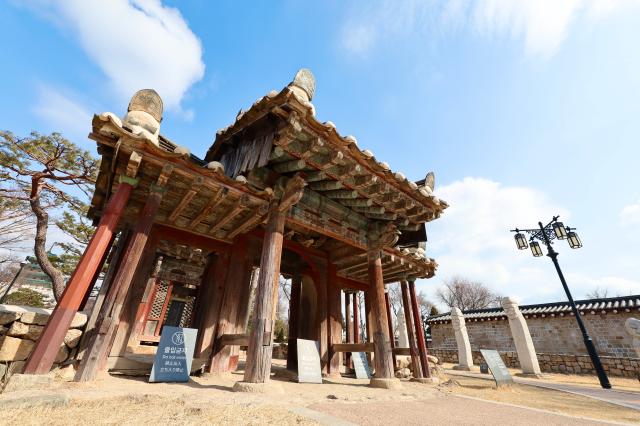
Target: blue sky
(524, 109)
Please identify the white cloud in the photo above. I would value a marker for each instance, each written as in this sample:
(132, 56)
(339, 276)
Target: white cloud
(64, 112)
(542, 25)
(630, 215)
(472, 238)
(136, 43)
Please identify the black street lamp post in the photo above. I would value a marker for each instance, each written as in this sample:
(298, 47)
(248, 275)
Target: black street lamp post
(546, 234)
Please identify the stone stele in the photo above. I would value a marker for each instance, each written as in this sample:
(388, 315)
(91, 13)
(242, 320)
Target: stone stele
(465, 359)
(521, 337)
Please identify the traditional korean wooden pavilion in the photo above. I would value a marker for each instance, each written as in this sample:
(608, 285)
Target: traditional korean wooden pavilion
(278, 192)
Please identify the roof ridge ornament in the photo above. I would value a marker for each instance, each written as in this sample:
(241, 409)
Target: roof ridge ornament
(303, 84)
(144, 115)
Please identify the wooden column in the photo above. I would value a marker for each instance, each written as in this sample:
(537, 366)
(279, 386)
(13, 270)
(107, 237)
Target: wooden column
(390, 325)
(52, 336)
(130, 323)
(334, 316)
(381, 340)
(411, 331)
(238, 277)
(294, 323)
(210, 299)
(259, 352)
(368, 326)
(242, 318)
(348, 325)
(422, 345)
(356, 319)
(99, 346)
(114, 262)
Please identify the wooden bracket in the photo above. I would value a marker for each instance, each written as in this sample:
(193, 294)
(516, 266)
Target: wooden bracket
(292, 192)
(133, 164)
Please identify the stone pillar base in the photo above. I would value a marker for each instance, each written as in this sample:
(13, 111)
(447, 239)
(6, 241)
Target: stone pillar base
(461, 368)
(268, 387)
(426, 380)
(385, 383)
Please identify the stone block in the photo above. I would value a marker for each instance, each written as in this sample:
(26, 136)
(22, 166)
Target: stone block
(432, 359)
(14, 349)
(7, 317)
(63, 353)
(38, 318)
(20, 382)
(25, 331)
(65, 373)
(72, 338)
(79, 320)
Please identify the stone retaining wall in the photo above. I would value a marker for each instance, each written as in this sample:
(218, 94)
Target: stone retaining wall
(20, 327)
(556, 363)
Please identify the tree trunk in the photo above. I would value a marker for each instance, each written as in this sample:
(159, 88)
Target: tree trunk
(42, 225)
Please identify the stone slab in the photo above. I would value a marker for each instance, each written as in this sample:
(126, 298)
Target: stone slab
(21, 382)
(385, 383)
(268, 387)
(14, 349)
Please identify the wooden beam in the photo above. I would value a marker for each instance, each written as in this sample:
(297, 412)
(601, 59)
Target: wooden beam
(230, 214)
(352, 347)
(240, 339)
(184, 237)
(326, 185)
(206, 211)
(293, 191)
(351, 284)
(422, 344)
(289, 166)
(186, 199)
(390, 324)
(252, 221)
(401, 351)
(342, 193)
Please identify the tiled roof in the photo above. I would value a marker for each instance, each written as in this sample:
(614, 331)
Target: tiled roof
(609, 304)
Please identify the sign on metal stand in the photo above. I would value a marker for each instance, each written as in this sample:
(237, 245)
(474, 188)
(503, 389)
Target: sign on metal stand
(361, 365)
(174, 356)
(499, 371)
(309, 370)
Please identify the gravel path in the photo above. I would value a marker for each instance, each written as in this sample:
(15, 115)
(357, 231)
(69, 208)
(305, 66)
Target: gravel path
(450, 410)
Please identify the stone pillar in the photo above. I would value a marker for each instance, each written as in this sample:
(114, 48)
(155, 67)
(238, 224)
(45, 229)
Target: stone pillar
(633, 328)
(521, 337)
(465, 359)
(403, 337)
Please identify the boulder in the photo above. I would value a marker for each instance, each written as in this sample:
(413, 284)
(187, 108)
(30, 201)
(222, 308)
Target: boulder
(79, 320)
(65, 373)
(8, 316)
(432, 359)
(63, 353)
(14, 349)
(403, 373)
(403, 362)
(72, 338)
(25, 331)
(32, 317)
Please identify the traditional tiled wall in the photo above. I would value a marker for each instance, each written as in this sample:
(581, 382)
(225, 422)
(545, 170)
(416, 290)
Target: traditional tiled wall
(557, 340)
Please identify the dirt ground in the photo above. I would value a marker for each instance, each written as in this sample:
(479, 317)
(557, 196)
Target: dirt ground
(124, 400)
(619, 383)
(547, 399)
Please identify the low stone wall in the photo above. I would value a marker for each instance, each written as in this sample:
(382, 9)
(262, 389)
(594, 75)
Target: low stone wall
(20, 327)
(556, 363)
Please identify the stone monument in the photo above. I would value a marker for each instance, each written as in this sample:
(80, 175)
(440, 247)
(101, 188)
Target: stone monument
(465, 359)
(403, 338)
(521, 337)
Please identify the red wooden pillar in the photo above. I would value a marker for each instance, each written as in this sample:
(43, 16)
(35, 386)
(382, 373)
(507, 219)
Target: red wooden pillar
(210, 303)
(368, 325)
(294, 323)
(52, 336)
(259, 352)
(356, 318)
(381, 339)
(411, 331)
(95, 358)
(348, 325)
(422, 345)
(238, 277)
(390, 325)
(334, 314)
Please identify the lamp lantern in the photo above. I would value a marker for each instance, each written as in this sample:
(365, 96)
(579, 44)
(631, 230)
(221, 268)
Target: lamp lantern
(574, 240)
(521, 241)
(535, 248)
(559, 230)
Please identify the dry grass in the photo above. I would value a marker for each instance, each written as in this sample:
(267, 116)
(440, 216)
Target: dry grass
(150, 410)
(546, 399)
